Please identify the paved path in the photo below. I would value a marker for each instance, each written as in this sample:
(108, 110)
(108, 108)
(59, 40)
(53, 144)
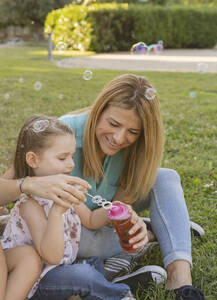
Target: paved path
(180, 60)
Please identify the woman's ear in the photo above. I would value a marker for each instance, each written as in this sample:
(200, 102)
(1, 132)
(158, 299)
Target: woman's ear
(32, 159)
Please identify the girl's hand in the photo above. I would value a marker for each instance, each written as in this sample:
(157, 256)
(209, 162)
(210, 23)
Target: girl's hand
(142, 238)
(59, 188)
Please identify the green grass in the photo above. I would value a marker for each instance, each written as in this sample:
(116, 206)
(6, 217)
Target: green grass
(190, 126)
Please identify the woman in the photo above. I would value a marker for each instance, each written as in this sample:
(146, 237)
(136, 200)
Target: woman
(119, 150)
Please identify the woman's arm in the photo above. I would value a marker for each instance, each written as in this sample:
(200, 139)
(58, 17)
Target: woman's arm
(47, 233)
(91, 219)
(9, 191)
(9, 188)
(59, 188)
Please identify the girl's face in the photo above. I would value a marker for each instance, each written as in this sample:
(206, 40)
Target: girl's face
(117, 128)
(58, 158)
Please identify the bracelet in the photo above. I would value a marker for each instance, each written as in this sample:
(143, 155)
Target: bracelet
(20, 183)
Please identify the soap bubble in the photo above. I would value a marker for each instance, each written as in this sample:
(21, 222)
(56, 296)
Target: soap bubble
(202, 68)
(61, 46)
(158, 48)
(192, 94)
(60, 96)
(87, 75)
(139, 48)
(7, 96)
(37, 86)
(97, 199)
(21, 80)
(150, 94)
(107, 204)
(40, 125)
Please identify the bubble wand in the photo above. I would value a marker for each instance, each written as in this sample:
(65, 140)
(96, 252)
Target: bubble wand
(100, 201)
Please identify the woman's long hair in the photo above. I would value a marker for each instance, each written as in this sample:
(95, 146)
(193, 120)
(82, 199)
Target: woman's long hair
(143, 157)
(35, 136)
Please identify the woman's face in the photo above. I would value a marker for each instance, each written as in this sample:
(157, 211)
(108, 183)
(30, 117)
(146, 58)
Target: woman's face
(117, 128)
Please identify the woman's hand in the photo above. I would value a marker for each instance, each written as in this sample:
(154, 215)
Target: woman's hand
(60, 188)
(142, 237)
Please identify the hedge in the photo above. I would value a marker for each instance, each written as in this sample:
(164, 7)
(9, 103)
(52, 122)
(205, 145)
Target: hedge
(115, 27)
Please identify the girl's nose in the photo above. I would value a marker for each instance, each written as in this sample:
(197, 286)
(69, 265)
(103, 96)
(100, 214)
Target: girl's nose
(71, 163)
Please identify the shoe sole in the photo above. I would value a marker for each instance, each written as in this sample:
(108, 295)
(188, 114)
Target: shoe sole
(197, 229)
(158, 274)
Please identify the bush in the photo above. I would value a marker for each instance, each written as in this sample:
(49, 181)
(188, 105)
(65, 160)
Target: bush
(115, 27)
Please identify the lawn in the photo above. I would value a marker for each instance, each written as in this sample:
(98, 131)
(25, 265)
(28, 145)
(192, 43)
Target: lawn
(189, 110)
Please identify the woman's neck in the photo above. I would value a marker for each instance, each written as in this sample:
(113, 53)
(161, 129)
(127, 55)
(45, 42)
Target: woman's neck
(102, 156)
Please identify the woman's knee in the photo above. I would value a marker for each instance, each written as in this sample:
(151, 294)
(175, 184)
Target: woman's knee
(168, 175)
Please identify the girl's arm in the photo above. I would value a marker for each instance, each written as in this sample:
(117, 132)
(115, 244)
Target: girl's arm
(47, 233)
(91, 219)
(60, 188)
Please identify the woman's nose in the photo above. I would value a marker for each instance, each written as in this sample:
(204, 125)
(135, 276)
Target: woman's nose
(119, 137)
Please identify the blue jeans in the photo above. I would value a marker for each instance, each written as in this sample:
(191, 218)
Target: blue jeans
(84, 278)
(169, 221)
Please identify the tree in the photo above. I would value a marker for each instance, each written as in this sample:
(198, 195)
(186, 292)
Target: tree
(33, 10)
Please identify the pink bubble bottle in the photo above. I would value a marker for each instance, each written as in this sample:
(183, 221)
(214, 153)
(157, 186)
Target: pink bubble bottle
(119, 217)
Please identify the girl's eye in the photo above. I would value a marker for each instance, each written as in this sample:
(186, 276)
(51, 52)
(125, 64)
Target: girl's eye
(61, 158)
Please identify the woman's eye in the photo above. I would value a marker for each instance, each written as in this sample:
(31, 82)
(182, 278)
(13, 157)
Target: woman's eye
(113, 124)
(61, 158)
(134, 132)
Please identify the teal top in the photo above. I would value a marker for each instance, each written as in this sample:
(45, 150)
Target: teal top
(112, 164)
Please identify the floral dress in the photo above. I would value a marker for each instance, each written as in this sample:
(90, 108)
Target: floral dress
(17, 234)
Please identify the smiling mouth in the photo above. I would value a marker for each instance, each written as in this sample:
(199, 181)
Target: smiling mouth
(112, 145)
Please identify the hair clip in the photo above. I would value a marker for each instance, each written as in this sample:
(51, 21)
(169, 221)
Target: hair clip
(150, 94)
(40, 125)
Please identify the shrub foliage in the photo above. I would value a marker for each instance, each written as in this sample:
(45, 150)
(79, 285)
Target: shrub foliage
(115, 27)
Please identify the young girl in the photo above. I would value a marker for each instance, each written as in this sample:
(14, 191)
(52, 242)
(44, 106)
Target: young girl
(46, 147)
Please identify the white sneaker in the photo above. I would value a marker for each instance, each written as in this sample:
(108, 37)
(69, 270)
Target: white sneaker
(197, 230)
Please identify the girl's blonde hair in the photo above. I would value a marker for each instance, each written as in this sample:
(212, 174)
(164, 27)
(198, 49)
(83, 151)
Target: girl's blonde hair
(35, 136)
(142, 158)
